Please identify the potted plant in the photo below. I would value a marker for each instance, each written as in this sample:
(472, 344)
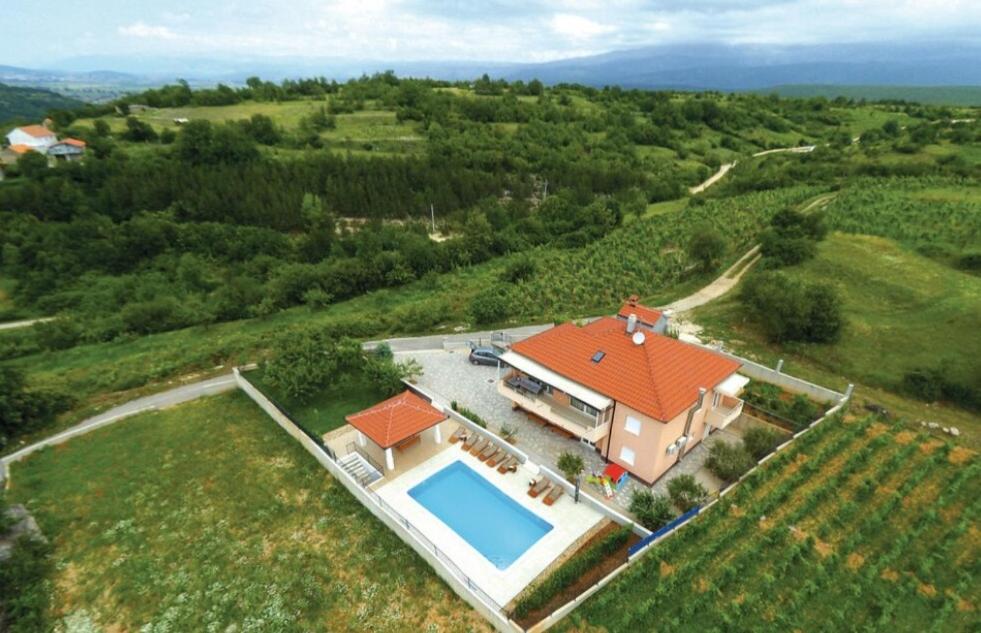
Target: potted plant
(509, 433)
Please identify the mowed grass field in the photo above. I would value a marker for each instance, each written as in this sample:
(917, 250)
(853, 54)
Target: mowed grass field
(902, 311)
(858, 526)
(208, 517)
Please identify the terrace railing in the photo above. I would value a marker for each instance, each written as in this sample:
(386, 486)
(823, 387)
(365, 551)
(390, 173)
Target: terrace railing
(445, 559)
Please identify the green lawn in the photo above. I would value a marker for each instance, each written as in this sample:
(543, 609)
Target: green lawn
(902, 311)
(326, 410)
(208, 517)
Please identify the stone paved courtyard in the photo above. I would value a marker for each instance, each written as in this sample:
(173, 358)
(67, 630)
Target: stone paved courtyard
(449, 374)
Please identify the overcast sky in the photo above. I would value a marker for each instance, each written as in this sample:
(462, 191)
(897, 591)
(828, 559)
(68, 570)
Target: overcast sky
(39, 32)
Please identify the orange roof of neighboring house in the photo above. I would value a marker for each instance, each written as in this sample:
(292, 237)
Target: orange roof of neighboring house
(660, 377)
(644, 314)
(21, 149)
(37, 131)
(396, 419)
(73, 141)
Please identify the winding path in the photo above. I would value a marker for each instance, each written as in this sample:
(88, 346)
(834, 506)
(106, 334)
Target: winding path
(10, 325)
(712, 179)
(178, 395)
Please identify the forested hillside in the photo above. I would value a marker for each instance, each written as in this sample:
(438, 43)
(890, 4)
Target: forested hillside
(462, 204)
(30, 104)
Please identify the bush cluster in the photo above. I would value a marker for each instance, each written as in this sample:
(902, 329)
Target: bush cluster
(790, 309)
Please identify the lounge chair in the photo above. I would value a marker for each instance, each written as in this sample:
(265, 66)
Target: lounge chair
(487, 452)
(480, 446)
(553, 495)
(539, 487)
(509, 465)
(470, 441)
(497, 457)
(459, 434)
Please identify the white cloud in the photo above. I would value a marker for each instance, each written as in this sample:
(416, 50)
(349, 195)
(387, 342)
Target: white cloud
(578, 27)
(143, 30)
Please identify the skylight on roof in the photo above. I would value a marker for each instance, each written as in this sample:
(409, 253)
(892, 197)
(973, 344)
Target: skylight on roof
(598, 356)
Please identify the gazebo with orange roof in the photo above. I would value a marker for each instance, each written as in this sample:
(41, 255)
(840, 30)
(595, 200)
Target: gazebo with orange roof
(397, 423)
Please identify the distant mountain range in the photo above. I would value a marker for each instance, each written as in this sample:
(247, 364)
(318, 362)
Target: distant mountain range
(681, 66)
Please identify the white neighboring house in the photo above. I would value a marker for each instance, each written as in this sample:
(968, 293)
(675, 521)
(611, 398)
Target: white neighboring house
(35, 137)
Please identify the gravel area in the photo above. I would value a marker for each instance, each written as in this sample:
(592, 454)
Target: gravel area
(449, 374)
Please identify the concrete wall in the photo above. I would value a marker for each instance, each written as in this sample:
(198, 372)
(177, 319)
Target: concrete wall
(490, 612)
(756, 371)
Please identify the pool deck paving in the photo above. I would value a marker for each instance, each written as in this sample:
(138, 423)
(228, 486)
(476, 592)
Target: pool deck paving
(569, 522)
(449, 374)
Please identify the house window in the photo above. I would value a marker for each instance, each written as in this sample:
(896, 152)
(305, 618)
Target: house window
(627, 455)
(576, 403)
(632, 425)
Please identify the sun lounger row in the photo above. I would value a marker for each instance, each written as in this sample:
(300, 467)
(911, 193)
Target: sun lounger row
(543, 484)
(485, 450)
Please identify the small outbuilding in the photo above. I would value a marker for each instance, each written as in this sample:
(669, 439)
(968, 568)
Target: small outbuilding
(397, 424)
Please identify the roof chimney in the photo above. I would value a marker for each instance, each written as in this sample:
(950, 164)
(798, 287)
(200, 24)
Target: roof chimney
(631, 323)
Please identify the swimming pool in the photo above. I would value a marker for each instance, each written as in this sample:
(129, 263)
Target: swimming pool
(483, 515)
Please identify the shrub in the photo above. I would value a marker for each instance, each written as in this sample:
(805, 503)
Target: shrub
(383, 351)
(467, 413)
(686, 492)
(789, 309)
(388, 376)
(932, 384)
(759, 441)
(491, 304)
(25, 594)
(653, 511)
(23, 410)
(571, 465)
(970, 261)
(569, 572)
(728, 461)
(524, 267)
(707, 247)
(308, 362)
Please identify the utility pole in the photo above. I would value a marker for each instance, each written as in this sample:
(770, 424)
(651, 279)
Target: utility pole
(432, 214)
(545, 195)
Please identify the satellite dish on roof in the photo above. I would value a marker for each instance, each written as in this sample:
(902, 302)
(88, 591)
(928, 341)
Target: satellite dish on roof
(638, 338)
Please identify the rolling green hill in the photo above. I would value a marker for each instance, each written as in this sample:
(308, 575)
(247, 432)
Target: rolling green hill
(30, 104)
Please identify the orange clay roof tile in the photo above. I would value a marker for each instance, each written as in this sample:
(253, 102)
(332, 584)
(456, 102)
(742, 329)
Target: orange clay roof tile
(398, 418)
(659, 377)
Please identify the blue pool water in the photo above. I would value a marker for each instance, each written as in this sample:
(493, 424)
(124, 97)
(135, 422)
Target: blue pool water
(492, 522)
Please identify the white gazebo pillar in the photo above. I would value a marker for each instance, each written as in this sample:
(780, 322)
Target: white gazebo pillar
(361, 440)
(439, 435)
(389, 459)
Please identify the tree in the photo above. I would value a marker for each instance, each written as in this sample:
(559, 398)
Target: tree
(309, 362)
(33, 165)
(262, 129)
(491, 305)
(707, 247)
(728, 461)
(388, 376)
(521, 268)
(201, 143)
(790, 309)
(23, 410)
(139, 131)
(101, 128)
(653, 511)
(571, 465)
(759, 441)
(686, 492)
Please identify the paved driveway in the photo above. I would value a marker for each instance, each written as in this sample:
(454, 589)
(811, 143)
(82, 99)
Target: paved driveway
(450, 375)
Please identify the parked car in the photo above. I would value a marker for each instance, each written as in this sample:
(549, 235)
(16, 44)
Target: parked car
(485, 356)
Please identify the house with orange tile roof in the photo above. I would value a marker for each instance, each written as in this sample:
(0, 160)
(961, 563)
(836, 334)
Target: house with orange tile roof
(641, 398)
(36, 137)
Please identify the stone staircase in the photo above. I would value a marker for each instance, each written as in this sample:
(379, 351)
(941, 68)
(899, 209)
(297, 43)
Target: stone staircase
(359, 468)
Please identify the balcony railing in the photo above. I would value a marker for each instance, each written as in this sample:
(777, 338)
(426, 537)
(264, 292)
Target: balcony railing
(573, 420)
(725, 413)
